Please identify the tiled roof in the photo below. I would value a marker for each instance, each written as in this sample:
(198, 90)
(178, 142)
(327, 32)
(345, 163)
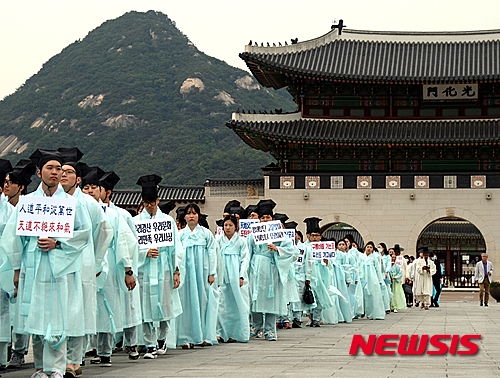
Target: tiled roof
(452, 229)
(234, 182)
(417, 58)
(380, 131)
(123, 197)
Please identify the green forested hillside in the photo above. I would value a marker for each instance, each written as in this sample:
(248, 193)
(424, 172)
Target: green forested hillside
(138, 97)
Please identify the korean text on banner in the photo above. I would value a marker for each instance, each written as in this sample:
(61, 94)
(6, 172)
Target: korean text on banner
(267, 232)
(323, 250)
(290, 233)
(46, 216)
(246, 227)
(220, 232)
(300, 259)
(155, 233)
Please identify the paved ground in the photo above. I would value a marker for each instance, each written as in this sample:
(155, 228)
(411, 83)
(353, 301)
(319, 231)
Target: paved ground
(324, 352)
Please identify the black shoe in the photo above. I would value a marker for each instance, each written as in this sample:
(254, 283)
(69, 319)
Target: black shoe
(296, 324)
(91, 353)
(480, 304)
(133, 354)
(486, 304)
(315, 323)
(436, 305)
(105, 361)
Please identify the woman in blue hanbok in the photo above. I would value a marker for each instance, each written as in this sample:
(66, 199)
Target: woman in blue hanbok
(232, 267)
(198, 322)
(346, 262)
(371, 278)
(355, 255)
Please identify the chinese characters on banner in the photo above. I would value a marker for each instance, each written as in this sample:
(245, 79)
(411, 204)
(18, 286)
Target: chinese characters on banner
(300, 259)
(450, 92)
(246, 227)
(267, 232)
(46, 217)
(155, 233)
(323, 250)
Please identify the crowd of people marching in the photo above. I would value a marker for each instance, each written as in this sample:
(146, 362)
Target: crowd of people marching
(102, 289)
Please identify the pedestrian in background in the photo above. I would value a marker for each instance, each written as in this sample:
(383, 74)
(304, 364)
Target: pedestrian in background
(483, 272)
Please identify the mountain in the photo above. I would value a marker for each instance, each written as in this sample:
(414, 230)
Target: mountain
(137, 97)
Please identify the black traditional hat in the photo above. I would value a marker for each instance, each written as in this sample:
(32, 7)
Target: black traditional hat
(81, 169)
(265, 207)
(231, 204)
(424, 249)
(22, 172)
(220, 222)
(291, 225)
(397, 248)
(41, 157)
(92, 176)
(180, 212)
(312, 225)
(149, 185)
(166, 206)
(237, 210)
(281, 217)
(109, 180)
(250, 209)
(5, 167)
(70, 155)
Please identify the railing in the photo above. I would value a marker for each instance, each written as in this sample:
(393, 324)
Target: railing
(459, 280)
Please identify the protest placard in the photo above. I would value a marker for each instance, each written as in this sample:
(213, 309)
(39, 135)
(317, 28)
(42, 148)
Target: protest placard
(267, 232)
(246, 227)
(219, 233)
(290, 233)
(46, 216)
(399, 260)
(323, 250)
(155, 233)
(302, 251)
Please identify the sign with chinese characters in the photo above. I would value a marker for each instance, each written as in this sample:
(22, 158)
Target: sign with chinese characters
(302, 251)
(323, 250)
(155, 233)
(267, 232)
(451, 92)
(46, 216)
(246, 227)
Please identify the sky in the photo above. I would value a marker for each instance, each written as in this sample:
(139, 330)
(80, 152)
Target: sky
(32, 31)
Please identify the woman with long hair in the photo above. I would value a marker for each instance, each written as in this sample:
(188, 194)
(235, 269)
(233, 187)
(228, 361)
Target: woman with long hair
(232, 256)
(198, 321)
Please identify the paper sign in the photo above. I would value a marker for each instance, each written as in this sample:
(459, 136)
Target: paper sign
(46, 216)
(219, 233)
(154, 233)
(246, 227)
(399, 260)
(300, 259)
(323, 250)
(104, 207)
(290, 234)
(267, 232)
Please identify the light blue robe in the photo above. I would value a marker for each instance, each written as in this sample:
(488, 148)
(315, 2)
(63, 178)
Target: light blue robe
(111, 315)
(93, 255)
(50, 298)
(355, 266)
(269, 273)
(198, 321)
(340, 278)
(233, 261)
(386, 292)
(371, 279)
(159, 300)
(303, 273)
(6, 280)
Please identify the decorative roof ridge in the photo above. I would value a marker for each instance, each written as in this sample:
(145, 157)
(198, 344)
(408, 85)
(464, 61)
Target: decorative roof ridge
(380, 36)
(298, 117)
(209, 181)
(180, 186)
(266, 117)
